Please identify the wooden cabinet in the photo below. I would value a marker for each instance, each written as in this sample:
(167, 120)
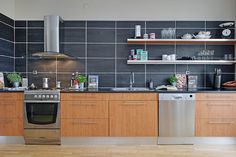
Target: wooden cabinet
(109, 114)
(11, 114)
(84, 114)
(133, 114)
(216, 114)
(84, 127)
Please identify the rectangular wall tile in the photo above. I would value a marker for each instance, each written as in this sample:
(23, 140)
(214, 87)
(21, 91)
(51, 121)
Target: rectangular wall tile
(101, 35)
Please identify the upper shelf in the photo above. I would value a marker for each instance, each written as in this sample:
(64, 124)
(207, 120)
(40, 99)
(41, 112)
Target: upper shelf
(182, 41)
(217, 62)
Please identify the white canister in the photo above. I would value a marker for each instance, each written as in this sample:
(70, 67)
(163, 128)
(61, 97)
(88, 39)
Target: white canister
(145, 36)
(164, 57)
(137, 31)
(173, 57)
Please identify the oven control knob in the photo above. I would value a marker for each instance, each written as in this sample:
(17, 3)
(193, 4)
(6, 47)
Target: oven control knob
(35, 96)
(47, 96)
(43, 96)
(55, 96)
(51, 96)
(39, 96)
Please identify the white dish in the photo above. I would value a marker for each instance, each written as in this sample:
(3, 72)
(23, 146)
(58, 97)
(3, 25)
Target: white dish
(202, 37)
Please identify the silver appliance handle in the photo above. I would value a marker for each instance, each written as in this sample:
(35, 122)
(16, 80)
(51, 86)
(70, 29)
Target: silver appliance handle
(41, 101)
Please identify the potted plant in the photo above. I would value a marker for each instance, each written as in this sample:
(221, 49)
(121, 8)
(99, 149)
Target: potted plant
(81, 79)
(173, 80)
(14, 78)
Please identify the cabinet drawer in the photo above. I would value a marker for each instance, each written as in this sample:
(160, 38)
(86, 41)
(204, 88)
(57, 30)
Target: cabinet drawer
(9, 96)
(11, 109)
(133, 118)
(216, 109)
(83, 96)
(84, 109)
(215, 96)
(84, 127)
(216, 127)
(11, 127)
(133, 96)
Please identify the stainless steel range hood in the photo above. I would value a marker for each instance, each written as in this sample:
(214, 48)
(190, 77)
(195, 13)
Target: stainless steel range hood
(53, 38)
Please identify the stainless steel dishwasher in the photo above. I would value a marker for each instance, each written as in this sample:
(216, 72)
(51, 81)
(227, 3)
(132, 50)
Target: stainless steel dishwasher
(176, 118)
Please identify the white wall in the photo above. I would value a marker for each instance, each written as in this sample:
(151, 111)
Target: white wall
(127, 9)
(7, 7)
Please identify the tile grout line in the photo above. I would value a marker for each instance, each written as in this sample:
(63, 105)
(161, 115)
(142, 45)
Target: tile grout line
(26, 48)
(145, 66)
(115, 54)
(14, 47)
(86, 48)
(175, 50)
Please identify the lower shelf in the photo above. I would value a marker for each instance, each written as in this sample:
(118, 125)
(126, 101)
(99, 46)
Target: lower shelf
(218, 62)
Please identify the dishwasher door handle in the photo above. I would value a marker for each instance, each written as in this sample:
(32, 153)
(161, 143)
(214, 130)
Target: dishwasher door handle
(178, 97)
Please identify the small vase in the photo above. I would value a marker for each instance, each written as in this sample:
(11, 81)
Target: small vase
(16, 84)
(173, 84)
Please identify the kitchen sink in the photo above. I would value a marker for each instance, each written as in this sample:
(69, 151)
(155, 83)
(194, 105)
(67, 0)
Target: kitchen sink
(130, 89)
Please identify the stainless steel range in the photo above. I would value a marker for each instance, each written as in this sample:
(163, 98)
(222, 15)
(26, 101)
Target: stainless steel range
(42, 117)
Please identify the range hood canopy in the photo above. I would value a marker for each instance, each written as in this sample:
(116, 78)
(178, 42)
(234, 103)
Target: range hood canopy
(53, 37)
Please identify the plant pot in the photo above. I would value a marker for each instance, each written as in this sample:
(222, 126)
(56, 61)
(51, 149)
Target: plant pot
(81, 86)
(173, 84)
(16, 84)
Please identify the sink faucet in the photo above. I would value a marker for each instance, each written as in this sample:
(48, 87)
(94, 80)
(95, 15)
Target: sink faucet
(131, 80)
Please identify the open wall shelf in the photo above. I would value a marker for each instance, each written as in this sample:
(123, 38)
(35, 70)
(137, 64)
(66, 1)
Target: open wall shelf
(218, 62)
(183, 41)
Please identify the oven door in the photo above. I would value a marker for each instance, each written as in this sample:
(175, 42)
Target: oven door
(42, 115)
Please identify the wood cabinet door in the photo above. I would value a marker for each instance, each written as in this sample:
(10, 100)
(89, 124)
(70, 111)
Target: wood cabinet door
(11, 109)
(84, 127)
(11, 127)
(133, 118)
(216, 127)
(84, 109)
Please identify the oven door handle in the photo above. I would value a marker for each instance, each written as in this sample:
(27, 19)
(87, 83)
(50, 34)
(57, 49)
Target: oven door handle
(40, 101)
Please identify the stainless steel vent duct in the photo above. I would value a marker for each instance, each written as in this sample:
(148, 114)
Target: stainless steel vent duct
(53, 38)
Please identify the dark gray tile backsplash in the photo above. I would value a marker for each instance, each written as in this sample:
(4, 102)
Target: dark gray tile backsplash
(100, 48)
(7, 57)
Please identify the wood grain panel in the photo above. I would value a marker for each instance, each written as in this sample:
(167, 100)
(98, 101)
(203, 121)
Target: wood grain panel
(11, 127)
(133, 118)
(83, 96)
(84, 109)
(11, 108)
(11, 96)
(216, 127)
(84, 127)
(133, 96)
(215, 96)
(216, 109)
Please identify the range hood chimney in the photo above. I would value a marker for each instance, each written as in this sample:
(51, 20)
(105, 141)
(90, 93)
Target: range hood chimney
(53, 37)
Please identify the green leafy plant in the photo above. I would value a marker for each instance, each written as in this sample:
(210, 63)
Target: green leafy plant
(172, 79)
(81, 78)
(14, 77)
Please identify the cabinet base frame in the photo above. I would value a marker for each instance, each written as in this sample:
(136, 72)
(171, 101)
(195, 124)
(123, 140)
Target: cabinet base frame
(197, 140)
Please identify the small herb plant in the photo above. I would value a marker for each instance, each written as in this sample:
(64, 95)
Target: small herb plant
(81, 78)
(172, 79)
(14, 77)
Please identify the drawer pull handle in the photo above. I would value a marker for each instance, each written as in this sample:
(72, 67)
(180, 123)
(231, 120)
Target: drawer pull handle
(83, 104)
(210, 122)
(219, 105)
(5, 121)
(134, 103)
(217, 97)
(84, 122)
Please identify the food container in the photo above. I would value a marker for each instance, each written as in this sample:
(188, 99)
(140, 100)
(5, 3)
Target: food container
(152, 36)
